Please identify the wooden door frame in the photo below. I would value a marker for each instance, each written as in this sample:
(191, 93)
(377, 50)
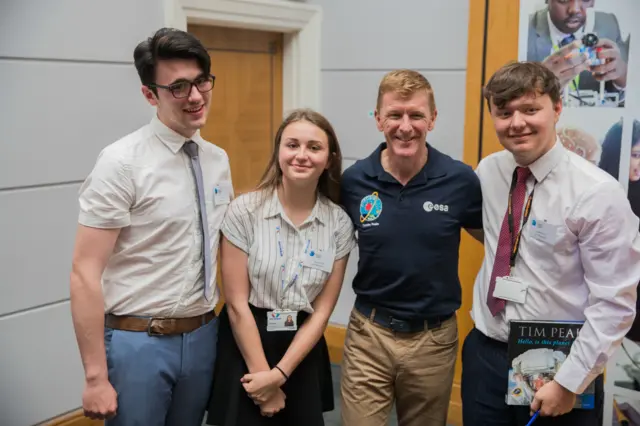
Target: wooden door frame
(300, 23)
(492, 42)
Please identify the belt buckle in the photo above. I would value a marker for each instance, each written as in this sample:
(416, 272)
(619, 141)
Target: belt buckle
(149, 331)
(398, 325)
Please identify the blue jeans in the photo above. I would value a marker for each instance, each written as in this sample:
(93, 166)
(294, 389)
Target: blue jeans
(161, 380)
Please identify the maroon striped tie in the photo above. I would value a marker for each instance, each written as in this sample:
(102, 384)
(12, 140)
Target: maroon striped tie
(501, 265)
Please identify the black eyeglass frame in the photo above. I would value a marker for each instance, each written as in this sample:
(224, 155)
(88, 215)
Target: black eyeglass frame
(171, 89)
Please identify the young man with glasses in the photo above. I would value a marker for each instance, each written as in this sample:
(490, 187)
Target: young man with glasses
(143, 286)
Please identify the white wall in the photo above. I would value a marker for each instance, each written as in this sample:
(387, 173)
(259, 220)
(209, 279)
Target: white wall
(361, 41)
(69, 88)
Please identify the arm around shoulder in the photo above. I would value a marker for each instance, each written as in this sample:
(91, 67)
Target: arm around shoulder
(472, 216)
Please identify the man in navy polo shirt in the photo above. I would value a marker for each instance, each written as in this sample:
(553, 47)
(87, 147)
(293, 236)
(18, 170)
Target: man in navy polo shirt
(409, 203)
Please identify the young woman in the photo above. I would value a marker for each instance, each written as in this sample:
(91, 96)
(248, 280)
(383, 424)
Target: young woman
(283, 257)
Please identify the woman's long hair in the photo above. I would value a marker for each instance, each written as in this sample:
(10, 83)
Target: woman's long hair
(329, 182)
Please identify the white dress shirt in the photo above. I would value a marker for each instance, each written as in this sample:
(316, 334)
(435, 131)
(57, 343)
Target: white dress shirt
(252, 224)
(144, 185)
(589, 273)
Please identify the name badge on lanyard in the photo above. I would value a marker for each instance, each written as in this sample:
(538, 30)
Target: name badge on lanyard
(282, 320)
(512, 288)
(285, 319)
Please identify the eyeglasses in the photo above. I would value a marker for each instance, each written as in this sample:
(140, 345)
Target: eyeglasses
(183, 89)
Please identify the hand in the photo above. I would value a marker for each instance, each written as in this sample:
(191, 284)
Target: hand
(566, 63)
(553, 400)
(262, 385)
(274, 404)
(99, 399)
(614, 67)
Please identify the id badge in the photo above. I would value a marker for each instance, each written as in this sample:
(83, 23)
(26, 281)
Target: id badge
(512, 289)
(221, 195)
(284, 320)
(322, 260)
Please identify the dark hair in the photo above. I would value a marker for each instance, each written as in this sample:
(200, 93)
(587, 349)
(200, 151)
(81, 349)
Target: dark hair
(517, 79)
(168, 43)
(612, 145)
(329, 182)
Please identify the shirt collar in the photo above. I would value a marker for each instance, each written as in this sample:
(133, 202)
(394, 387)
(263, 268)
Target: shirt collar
(320, 211)
(434, 167)
(173, 140)
(541, 168)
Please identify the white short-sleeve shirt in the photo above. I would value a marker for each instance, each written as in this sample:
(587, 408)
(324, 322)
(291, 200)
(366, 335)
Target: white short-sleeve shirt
(256, 221)
(143, 184)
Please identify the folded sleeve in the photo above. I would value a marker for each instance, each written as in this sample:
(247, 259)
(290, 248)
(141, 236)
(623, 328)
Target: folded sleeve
(236, 226)
(472, 216)
(107, 194)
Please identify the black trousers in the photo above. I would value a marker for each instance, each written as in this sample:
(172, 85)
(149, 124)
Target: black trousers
(485, 372)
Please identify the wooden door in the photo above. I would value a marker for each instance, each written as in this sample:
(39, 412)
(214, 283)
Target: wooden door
(246, 105)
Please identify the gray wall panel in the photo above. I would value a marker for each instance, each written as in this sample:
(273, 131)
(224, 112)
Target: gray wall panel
(55, 133)
(39, 227)
(40, 369)
(77, 29)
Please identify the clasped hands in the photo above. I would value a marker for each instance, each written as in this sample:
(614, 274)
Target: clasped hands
(263, 388)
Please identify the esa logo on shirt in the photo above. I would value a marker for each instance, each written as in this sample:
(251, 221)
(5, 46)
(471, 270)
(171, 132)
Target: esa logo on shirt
(428, 206)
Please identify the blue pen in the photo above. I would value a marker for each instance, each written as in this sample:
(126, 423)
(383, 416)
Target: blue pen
(533, 418)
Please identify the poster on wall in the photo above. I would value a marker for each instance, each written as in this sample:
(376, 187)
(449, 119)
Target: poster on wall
(593, 46)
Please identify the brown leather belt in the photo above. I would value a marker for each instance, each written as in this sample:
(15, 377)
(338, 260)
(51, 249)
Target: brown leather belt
(158, 326)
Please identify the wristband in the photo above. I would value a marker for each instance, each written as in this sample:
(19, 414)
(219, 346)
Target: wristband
(283, 373)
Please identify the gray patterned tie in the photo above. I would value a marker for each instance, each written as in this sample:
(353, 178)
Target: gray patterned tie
(191, 148)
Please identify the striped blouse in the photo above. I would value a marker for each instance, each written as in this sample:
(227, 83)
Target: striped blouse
(257, 224)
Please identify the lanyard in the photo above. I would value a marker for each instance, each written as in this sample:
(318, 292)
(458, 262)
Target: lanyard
(515, 240)
(283, 267)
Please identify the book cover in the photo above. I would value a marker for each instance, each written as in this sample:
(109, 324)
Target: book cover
(536, 350)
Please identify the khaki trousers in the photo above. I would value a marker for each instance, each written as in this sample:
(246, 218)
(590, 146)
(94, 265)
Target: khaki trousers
(381, 366)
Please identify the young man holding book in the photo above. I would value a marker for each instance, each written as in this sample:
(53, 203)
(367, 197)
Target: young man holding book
(561, 244)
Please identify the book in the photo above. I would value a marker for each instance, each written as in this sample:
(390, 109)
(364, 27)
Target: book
(536, 351)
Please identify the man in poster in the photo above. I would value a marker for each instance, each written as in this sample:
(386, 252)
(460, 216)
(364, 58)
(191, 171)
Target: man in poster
(555, 34)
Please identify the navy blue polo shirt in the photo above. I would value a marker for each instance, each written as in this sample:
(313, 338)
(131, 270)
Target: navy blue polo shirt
(409, 236)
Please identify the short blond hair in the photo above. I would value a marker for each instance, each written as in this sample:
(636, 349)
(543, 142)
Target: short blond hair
(405, 83)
